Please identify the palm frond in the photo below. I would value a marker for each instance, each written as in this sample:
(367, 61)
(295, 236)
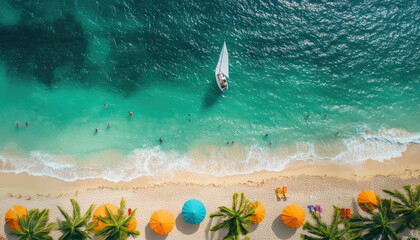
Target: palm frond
(234, 201)
(221, 225)
(116, 225)
(34, 225)
(237, 219)
(338, 229)
(217, 214)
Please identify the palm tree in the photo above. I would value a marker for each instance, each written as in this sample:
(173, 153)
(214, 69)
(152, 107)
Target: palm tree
(76, 227)
(237, 218)
(34, 226)
(338, 229)
(117, 226)
(380, 224)
(407, 207)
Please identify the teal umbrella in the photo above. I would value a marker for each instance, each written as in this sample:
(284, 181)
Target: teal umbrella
(193, 211)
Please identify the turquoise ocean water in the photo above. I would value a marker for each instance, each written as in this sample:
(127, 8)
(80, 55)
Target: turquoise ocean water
(61, 61)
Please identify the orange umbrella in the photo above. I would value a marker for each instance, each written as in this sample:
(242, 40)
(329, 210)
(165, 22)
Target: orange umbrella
(12, 214)
(293, 216)
(259, 212)
(162, 222)
(101, 211)
(369, 198)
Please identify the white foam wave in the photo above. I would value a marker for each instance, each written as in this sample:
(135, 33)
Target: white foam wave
(227, 160)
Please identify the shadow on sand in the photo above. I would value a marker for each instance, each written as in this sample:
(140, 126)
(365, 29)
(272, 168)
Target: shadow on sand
(211, 235)
(281, 230)
(8, 233)
(148, 232)
(185, 227)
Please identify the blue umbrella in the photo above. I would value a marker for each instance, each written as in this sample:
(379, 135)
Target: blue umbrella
(193, 211)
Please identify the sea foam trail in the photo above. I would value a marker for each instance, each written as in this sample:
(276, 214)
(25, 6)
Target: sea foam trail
(219, 161)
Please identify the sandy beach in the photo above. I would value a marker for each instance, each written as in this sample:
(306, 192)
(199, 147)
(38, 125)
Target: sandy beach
(308, 182)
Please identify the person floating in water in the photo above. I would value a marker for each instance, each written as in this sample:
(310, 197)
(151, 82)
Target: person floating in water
(17, 125)
(266, 134)
(325, 115)
(26, 124)
(308, 116)
(233, 142)
(96, 130)
(105, 105)
(337, 133)
(108, 125)
(131, 114)
(160, 140)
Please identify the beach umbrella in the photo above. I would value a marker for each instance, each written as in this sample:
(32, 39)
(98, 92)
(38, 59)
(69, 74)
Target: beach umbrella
(193, 211)
(369, 198)
(12, 214)
(101, 211)
(259, 212)
(293, 216)
(162, 222)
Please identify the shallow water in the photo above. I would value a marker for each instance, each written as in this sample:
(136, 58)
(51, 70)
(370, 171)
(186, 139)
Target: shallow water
(60, 61)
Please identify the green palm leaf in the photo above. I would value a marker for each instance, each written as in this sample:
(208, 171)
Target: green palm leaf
(116, 225)
(34, 226)
(407, 207)
(380, 222)
(76, 227)
(338, 229)
(237, 219)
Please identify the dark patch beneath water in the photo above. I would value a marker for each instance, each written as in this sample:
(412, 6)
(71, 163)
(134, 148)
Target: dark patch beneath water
(36, 51)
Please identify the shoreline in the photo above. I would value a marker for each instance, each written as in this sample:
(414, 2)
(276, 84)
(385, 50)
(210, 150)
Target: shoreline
(405, 167)
(308, 183)
(206, 160)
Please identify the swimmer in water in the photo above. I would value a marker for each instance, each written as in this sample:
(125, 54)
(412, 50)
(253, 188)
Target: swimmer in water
(160, 140)
(96, 130)
(131, 114)
(108, 125)
(105, 105)
(17, 125)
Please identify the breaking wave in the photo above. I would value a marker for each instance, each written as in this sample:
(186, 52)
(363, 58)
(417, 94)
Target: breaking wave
(219, 161)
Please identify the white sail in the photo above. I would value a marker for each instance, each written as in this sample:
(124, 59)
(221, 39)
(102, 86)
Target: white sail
(223, 63)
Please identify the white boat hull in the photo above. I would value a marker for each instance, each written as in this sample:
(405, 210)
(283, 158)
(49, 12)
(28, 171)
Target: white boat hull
(222, 68)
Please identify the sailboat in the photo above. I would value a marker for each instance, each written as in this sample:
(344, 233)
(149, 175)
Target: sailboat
(222, 69)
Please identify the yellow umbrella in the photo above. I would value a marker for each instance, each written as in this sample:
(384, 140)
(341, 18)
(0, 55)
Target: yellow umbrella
(12, 214)
(101, 211)
(293, 216)
(369, 198)
(162, 222)
(259, 212)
